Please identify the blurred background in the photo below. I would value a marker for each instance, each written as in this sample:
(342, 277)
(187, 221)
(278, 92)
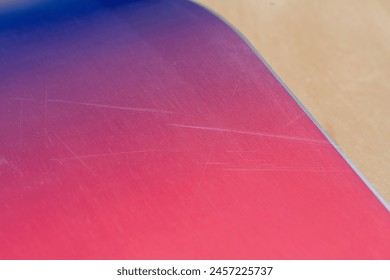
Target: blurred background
(335, 57)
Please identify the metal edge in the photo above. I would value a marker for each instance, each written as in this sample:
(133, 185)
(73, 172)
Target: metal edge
(344, 156)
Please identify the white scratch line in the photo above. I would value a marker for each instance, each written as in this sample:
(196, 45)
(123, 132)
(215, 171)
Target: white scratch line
(48, 136)
(70, 150)
(292, 169)
(201, 178)
(244, 151)
(46, 109)
(133, 109)
(286, 137)
(20, 123)
(212, 163)
(47, 133)
(22, 98)
(293, 120)
(112, 154)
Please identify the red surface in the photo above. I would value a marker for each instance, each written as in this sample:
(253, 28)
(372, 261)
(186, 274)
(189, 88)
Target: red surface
(151, 130)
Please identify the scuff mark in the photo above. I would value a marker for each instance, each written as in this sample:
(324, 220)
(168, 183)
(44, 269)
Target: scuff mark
(293, 120)
(78, 157)
(71, 151)
(290, 169)
(106, 106)
(262, 134)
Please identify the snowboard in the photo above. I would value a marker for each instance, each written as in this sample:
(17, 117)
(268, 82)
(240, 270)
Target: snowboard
(153, 130)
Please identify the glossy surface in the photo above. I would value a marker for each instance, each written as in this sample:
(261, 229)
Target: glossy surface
(149, 129)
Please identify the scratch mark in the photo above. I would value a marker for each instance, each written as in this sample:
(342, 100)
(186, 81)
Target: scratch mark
(78, 157)
(244, 151)
(48, 136)
(22, 99)
(285, 137)
(70, 150)
(208, 162)
(46, 109)
(47, 133)
(205, 165)
(291, 169)
(201, 178)
(293, 120)
(212, 163)
(133, 109)
(20, 124)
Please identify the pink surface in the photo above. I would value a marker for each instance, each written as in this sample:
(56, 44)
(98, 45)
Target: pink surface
(150, 130)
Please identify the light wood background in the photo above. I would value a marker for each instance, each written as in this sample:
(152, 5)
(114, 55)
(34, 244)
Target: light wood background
(335, 57)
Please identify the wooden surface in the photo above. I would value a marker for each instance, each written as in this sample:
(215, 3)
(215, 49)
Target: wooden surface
(335, 57)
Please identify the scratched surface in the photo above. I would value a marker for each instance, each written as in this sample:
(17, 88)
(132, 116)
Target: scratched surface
(149, 129)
